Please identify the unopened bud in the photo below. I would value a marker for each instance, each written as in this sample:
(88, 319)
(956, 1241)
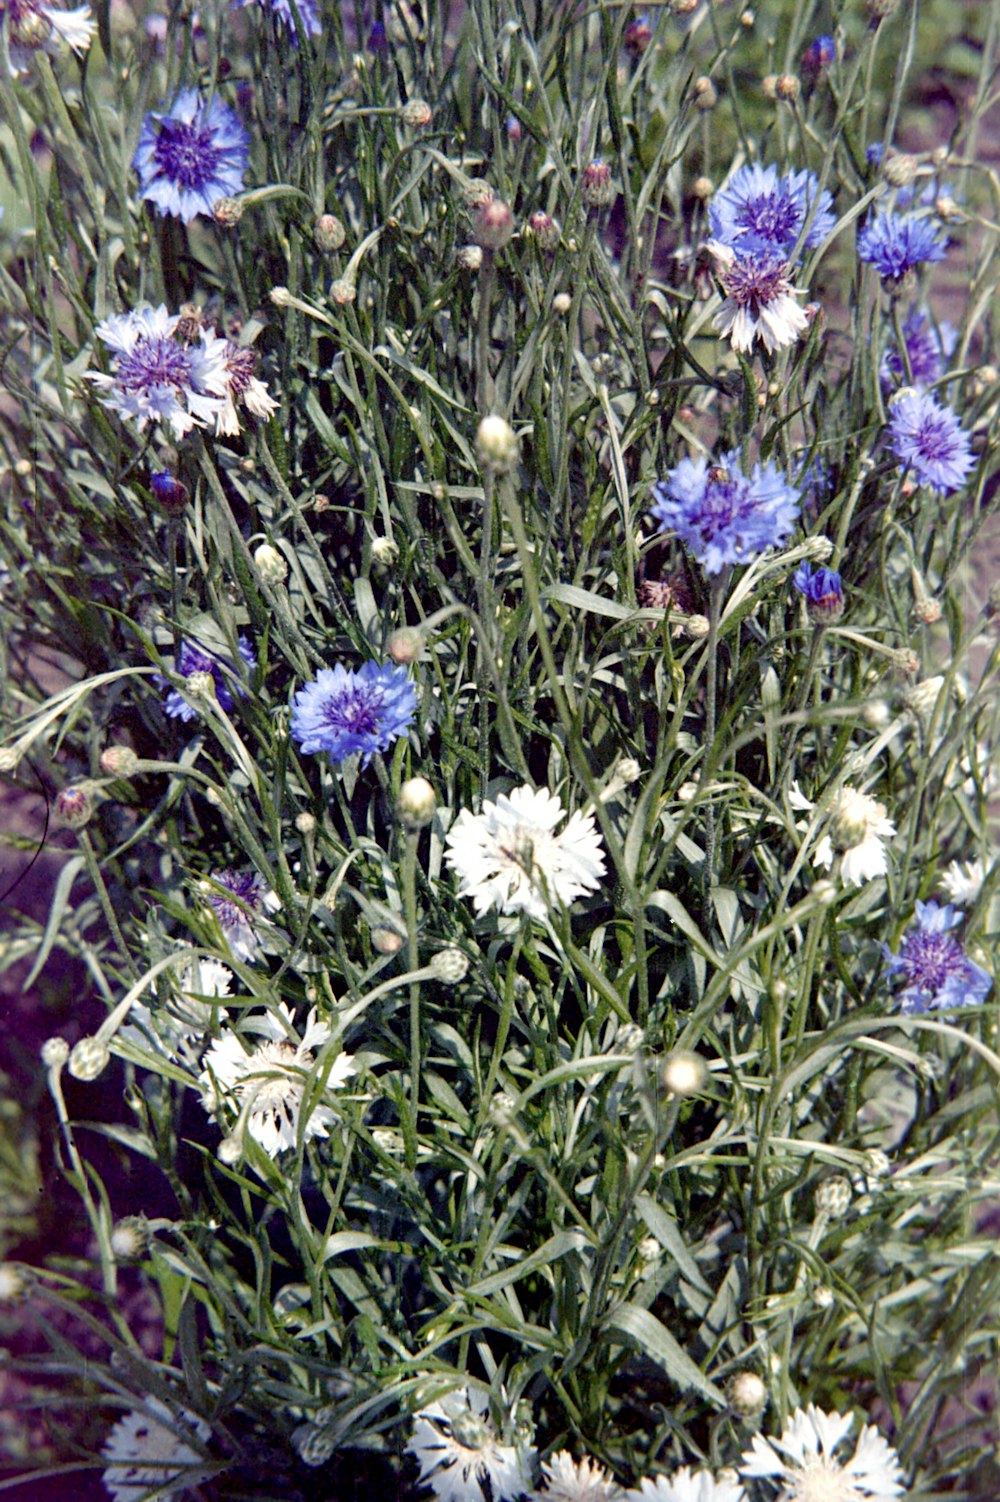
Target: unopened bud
(417, 113)
(55, 1052)
(449, 966)
(476, 192)
(705, 94)
(833, 1197)
(200, 685)
(384, 551)
(684, 1073)
(406, 645)
(305, 823)
(494, 225)
(130, 1238)
(273, 568)
(703, 188)
(170, 495)
(787, 86)
(597, 189)
(280, 296)
(74, 807)
(697, 627)
(880, 10)
(628, 769)
(118, 761)
(89, 1059)
(343, 291)
(229, 1151)
(899, 169)
(747, 1394)
(544, 230)
(469, 257)
(769, 86)
(329, 233)
(386, 941)
(496, 443)
(12, 1282)
(416, 804)
(945, 207)
(561, 303)
(227, 212)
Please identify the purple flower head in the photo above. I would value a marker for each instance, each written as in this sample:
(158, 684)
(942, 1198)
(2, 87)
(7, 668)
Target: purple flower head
(874, 154)
(935, 967)
(191, 155)
(895, 243)
(823, 590)
(721, 515)
(928, 346)
(759, 301)
(244, 898)
(156, 378)
(378, 39)
(927, 438)
(281, 10)
(195, 657)
(759, 211)
(819, 55)
(171, 493)
(346, 713)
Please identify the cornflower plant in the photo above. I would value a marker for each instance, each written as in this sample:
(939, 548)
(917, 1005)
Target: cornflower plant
(504, 494)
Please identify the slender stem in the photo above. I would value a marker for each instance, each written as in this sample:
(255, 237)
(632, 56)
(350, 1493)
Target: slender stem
(103, 897)
(717, 592)
(413, 963)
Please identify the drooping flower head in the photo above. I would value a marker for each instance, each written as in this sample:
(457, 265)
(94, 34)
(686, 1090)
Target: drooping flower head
(760, 211)
(722, 515)
(823, 590)
(267, 1085)
(937, 971)
(510, 857)
(147, 1449)
(30, 27)
(460, 1454)
(281, 10)
(191, 155)
(928, 438)
(813, 1462)
(929, 347)
(194, 657)
(896, 243)
(243, 900)
(243, 388)
(157, 378)
(348, 713)
(686, 1485)
(759, 301)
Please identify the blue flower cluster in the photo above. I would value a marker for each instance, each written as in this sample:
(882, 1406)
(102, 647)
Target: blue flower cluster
(347, 713)
(722, 515)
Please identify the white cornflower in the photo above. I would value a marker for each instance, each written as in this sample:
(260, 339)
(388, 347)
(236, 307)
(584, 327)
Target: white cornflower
(242, 387)
(510, 857)
(179, 1024)
(806, 1462)
(460, 1454)
(857, 825)
(760, 299)
(569, 1480)
(963, 883)
(686, 1485)
(147, 1452)
(268, 1084)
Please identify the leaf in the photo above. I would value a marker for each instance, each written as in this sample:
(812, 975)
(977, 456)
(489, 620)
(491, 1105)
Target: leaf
(647, 1332)
(60, 899)
(664, 1227)
(557, 1246)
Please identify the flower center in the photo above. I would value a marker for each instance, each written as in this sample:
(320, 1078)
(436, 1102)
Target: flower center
(821, 1481)
(929, 959)
(470, 1431)
(273, 1072)
(933, 439)
(753, 281)
(721, 504)
(773, 216)
(155, 361)
(186, 154)
(239, 368)
(356, 711)
(27, 26)
(245, 888)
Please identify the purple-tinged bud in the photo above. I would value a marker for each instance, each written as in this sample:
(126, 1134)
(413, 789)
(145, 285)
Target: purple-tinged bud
(597, 189)
(820, 55)
(514, 129)
(170, 495)
(378, 40)
(823, 591)
(494, 225)
(544, 230)
(74, 807)
(329, 233)
(417, 113)
(638, 34)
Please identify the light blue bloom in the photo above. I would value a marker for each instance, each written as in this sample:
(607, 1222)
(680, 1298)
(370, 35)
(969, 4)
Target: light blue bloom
(191, 155)
(282, 11)
(927, 438)
(896, 243)
(928, 347)
(759, 211)
(937, 970)
(723, 516)
(347, 713)
(154, 377)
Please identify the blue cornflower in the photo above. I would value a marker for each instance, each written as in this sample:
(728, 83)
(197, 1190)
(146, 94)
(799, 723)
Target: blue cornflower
(249, 899)
(759, 211)
(195, 657)
(824, 592)
(895, 243)
(819, 55)
(191, 155)
(874, 154)
(345, 712)
(721, 515)
(157, 378)
(929, 346)
(282, 11)
(927, 438)
(937, 970)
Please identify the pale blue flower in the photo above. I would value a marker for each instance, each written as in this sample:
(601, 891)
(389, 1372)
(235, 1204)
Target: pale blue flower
(895, 243)
(927, 438)
(191, 155)
(722, 515)
(758, 210)
(195, 657)
(937, 971)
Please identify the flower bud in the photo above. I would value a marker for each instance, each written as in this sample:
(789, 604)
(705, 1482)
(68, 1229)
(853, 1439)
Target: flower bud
(747, 1394)
(684, 1073)
(705, 94)
(55, 1052)
(406, 645)
(200, 685)
(417, 113)
(638, 34)
(544, 230)
(74, 807)
(477, 191)
(280, 296)
(946, 208)
(496, 444)
(881, 10)
(343, 291)
(9, 759)
(416, 804)
(469, 257)
(89, 1058)
(597, 190)
(386, 941)
(899, 169)
(329, 233)
(823, 1296)
(168, 492)
(629, 769)
(118, 761)
(697, 627)
(12, 1282)
(769, 86)
(227, 212)
(273, 568)
(703, 188)
(229, 1151)
(130, 1239)
(449, 966)
(833, 1197)
(384, 551)
(514, 129)
(305, 823)
(494, 225)
(561, 303)
(787, 87)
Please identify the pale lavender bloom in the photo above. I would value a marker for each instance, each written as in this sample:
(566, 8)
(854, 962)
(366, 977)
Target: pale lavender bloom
(927, 438)
(240, 900)
(191, 155)
(937, 971)
(154, 377)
